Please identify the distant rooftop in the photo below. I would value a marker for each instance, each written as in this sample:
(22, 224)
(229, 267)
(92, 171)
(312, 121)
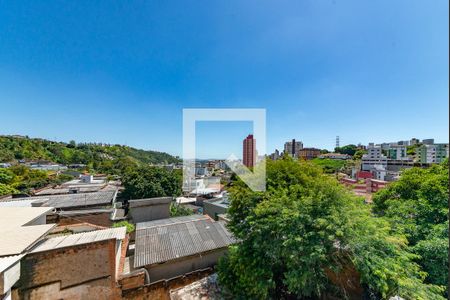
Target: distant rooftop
(64, 201)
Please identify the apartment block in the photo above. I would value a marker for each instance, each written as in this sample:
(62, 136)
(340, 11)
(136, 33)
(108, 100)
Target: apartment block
(434, 153)
(293, 147)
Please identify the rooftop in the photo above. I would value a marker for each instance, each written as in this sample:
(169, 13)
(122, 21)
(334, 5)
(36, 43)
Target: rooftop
(64, 201)
(80, 239)
(149, 201)
(21, 228)
(8, 261)
(163, 240)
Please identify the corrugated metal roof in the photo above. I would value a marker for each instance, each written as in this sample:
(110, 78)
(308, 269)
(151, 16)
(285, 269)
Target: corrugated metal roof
(80, 238)
(68, 200)
(178, 237)
(168, 221)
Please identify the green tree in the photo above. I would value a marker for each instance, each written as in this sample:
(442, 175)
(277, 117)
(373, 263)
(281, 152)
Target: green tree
(359, 153)
(417, 206)
(347, 149)
(303, 228)
(148, 182)
(177, 210)
(130, 227)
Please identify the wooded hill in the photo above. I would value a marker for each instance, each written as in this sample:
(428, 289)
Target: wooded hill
(14, 148)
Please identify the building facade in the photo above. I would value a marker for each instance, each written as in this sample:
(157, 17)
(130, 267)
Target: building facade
(308, 153)
(249, 151)
(373, 157)
(397, 152)
(292, 147)
(435, 153)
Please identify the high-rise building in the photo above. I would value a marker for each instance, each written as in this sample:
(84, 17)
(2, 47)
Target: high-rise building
(249, 151)
(292, 147)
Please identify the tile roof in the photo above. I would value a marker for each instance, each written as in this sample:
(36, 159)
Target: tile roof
(80, 239)
(178, 237)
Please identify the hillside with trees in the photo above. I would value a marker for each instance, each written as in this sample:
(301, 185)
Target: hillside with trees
(20, 179)
(306, 237)
(96, 156)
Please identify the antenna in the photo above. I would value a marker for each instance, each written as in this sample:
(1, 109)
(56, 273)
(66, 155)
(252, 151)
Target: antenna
(337, 141)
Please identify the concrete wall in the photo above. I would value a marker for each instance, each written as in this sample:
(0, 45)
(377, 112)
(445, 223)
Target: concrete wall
(213, 210)
(144, 210)
(52, 274)
(100, 219)
(182, 266)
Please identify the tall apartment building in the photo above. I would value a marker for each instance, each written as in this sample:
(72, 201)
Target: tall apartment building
(292, 147)
(434, 153)
(373, 157)
(249, 151)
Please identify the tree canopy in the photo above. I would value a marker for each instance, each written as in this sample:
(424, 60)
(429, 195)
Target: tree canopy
(21, 179)
(347, 149)
(147, 182)
(305, 231)
(417, 206)
(96, 155)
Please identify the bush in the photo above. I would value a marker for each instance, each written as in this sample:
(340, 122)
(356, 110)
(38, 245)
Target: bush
(130, 227)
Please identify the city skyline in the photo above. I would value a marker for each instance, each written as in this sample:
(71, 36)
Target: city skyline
(366, 72)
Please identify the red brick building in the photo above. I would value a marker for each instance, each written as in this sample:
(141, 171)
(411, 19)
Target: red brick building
(249, 151)
(308, 153)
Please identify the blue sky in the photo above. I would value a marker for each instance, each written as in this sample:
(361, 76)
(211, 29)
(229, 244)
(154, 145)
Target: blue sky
(122, 72)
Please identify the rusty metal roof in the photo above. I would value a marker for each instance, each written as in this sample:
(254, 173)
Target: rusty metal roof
(174, 238)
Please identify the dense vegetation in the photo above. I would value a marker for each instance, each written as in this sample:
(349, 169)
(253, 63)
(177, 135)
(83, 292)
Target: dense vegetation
(20, 179)
(147, 182)
(329, 165)
(96, 155)
(305, 231)
(177, 210)
(130, 227)
(347, 149)
(416, 206)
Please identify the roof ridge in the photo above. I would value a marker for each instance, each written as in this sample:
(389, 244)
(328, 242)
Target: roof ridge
(175, 223)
